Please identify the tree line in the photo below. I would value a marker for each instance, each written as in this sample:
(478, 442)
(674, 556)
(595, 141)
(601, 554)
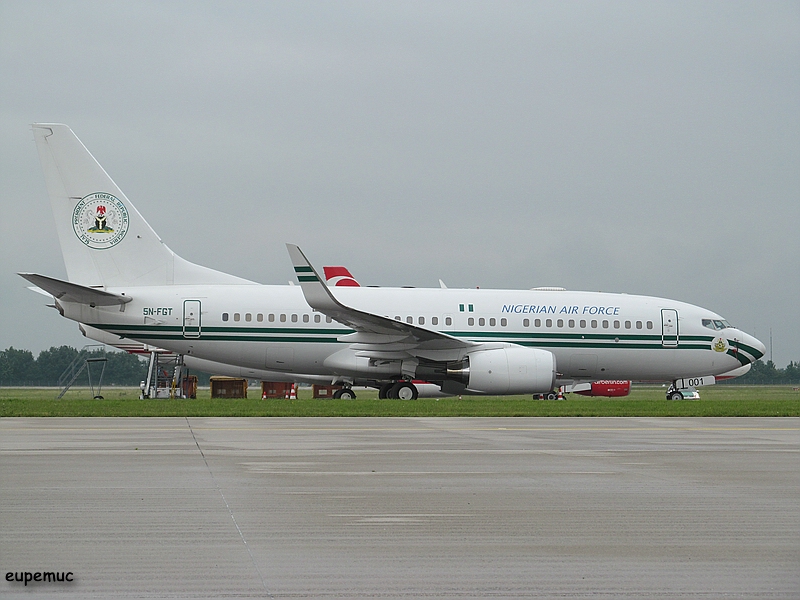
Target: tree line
(766, 373)
(21, 368)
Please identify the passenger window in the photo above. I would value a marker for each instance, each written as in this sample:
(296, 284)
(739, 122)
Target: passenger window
(538, 322)
(421, 320)
(328, 320)
(481, 322)
(305, 319)
(526, 322)
(638, 324)
(283, 318)
(561, 322)
(294, 318)
(434, 320)
(236, 316)
(260, 317)
(224, 316)
(605, 324)
(317, 318)
(397, 318)
(649, 324)
(448, 321)
(409, 319)
(616, 324)
(549, 322)
(492, 322)
(471, 321)
(271, 318)
(503, 322)
(572, 323)
(627, 324)
(594, 324)
(248, 317)
(583, 324)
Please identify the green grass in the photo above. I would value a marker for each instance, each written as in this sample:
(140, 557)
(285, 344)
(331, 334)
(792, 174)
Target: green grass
(717, 401)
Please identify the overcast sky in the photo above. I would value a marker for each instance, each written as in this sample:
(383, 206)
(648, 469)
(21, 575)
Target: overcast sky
(640, 147)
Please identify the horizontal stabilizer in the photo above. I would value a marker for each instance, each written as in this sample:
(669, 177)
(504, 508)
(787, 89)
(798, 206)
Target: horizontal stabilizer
(72, 292)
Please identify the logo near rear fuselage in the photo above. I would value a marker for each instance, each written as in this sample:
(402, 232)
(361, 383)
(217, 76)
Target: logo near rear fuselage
(100, 220)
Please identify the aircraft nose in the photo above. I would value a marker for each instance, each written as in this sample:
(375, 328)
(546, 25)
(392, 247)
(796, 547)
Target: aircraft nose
(760, 348)
(751, 346)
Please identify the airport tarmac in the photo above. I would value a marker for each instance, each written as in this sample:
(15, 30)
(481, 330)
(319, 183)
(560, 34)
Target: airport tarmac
(402, 507)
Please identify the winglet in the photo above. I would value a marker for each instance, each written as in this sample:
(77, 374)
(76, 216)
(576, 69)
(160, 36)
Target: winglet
(317, 294)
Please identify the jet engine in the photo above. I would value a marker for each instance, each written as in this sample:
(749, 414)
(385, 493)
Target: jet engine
(507, 370)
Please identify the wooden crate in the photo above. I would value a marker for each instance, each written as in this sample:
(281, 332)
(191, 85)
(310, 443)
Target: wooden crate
(189, 385)
(228, 387)
(325, 391)
(275, 389)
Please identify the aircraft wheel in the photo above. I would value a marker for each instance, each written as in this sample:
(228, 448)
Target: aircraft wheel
(404, 390)
(551, 395)
(384, 390)
(344, 394)
(675, 396)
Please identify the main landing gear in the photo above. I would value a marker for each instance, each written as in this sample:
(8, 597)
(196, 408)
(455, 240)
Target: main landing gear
(344, 394)
(400, 390)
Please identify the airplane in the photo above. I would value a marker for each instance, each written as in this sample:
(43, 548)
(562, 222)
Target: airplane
(122, 279)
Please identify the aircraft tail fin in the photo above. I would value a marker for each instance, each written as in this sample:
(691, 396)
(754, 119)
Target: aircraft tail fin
(104, 239)
(339, 277)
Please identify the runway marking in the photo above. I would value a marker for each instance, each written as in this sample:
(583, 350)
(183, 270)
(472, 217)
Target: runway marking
(233, 518)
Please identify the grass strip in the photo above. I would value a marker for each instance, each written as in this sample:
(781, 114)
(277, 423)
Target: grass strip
(719, 401)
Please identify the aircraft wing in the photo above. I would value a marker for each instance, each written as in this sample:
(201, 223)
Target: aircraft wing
(376, 335)
(72, 292)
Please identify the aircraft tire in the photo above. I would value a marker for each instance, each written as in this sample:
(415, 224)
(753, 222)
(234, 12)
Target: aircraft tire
(551, 395)
(344, 394)
(675, 396)
(403, 390)
(384, 390)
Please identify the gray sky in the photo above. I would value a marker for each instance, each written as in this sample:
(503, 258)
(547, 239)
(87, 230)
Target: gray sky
(640, 147)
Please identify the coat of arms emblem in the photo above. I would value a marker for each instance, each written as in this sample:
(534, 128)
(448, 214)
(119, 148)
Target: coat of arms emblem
(100, 220)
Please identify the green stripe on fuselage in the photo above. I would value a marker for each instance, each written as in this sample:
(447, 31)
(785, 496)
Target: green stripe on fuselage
(327, 335)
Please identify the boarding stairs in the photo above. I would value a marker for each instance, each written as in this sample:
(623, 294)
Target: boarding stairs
(87, 356)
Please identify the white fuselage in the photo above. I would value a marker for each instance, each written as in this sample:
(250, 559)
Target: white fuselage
(592, 335)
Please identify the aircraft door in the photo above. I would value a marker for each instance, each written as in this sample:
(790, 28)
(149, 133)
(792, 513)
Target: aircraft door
(669, 327)
(191, 319)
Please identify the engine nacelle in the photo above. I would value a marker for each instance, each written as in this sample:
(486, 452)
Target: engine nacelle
(510, 370)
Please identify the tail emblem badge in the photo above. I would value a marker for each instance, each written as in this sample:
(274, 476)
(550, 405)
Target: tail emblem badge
(100, 220)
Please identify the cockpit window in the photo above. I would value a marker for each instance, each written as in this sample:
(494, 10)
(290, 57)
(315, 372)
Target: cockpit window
(716, 324)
